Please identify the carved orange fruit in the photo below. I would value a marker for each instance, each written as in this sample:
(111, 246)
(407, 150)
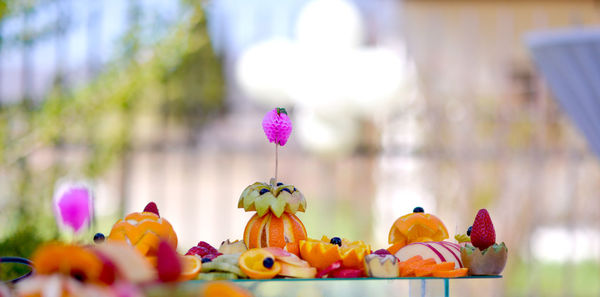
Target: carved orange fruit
(271, 231)
(417, 227)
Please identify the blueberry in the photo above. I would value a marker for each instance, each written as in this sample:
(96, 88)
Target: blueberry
(469, 231)
(295, 189)
(268, 262)
(336, 240)
(262, 191)
(279, 184)
(204, 260)
(287, 190)
(418, 209)
(99, 238)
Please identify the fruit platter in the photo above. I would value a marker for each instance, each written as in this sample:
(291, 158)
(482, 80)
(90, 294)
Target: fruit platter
(139, 255)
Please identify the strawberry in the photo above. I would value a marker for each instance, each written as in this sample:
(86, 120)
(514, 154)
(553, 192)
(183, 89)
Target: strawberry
(168, 265)
(483, 234)
(151, 207)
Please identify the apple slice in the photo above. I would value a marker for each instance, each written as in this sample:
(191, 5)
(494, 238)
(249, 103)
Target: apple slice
(286, 257)
(297, 271)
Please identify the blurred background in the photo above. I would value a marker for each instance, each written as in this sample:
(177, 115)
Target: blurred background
(395, 104)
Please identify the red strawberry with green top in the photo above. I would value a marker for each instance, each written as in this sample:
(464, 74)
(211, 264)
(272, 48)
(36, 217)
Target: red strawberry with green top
(482, 233)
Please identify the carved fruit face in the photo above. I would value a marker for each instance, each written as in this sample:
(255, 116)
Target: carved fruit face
(322, 253)
(271, 231)
(144, 231)
(276, 198)
(417, 227)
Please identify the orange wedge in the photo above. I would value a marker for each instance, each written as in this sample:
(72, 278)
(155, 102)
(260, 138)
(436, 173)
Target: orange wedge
(220, 289)
(191, 266)
(251, 263)
(451, 273)
(321, 253)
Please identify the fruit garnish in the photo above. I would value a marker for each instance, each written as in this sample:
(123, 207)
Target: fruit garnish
(461, 272)
(469, 230)
(336, 240)
(382, 252)
(346, 273)
(235, 247)
(144, 231)
(268, 262)
(290, 270)
(417, 227)
(442, 251)
(251, 263)
(381, 265)
(131, 265)
(224, 264)
(99, 238)
(460, 238)
(190, 267)
(321, 253)
(151, 207)
(490, 261)
(69, 260)
(483, 234)
(204, 260)
(267, 197)
(325, 271)
(270, 231)
(220, 289)
(418, 209)
(394, 248)
(168, 265)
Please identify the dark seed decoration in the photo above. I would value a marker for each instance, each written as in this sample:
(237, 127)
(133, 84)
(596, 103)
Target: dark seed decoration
(336, 240)
(268, 262)
(287, 190)
(263, 191)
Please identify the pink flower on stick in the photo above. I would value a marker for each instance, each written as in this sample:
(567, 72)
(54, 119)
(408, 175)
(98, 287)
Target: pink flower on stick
(277, 126)
(73, 206)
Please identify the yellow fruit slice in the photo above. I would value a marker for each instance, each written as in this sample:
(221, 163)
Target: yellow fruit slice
(191, 266)
(321, 253)
(251, 263)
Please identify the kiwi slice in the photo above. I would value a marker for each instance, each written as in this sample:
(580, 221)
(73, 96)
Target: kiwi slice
(217, 276)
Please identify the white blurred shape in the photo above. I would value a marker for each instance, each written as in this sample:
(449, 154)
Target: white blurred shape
(326, 134)
(263, 71)
(560, 244)
(330, 23)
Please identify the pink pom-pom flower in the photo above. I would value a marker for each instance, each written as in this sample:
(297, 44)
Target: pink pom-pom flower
(73, 206)
(277, 126)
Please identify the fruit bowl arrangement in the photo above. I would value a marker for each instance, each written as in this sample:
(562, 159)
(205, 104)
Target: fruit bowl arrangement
(140, 251)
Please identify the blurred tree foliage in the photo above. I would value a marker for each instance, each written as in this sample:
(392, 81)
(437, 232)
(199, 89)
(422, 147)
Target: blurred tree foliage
(175, 78)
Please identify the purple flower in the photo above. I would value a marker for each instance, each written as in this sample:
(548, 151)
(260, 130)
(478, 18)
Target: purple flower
(73, 206)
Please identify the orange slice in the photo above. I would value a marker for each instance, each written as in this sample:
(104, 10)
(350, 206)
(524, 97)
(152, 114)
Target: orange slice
(251, 263)
(191, 266)
(451, 273)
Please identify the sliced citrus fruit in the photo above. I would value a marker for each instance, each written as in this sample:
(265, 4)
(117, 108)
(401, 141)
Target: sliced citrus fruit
(322, 253)
(256, 264)
(451, 273)
(191, 266)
